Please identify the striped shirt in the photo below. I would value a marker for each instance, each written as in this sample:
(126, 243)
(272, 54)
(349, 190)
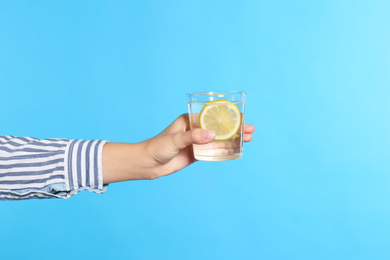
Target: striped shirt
(49, 168)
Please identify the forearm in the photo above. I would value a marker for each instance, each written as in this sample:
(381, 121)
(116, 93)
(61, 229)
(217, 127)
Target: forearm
(125, 161)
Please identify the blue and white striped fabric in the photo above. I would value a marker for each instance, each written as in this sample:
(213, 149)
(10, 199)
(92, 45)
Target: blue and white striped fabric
(49, 168)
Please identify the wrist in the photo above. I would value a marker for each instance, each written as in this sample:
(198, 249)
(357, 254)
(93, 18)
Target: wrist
(124, 161)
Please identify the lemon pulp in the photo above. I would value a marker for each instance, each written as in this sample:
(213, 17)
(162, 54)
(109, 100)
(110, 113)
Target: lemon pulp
(220, 116)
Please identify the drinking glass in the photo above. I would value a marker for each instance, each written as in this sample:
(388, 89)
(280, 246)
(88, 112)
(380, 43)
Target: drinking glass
(217, 150)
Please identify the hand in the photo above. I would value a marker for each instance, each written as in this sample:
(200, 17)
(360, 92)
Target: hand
(166, 153)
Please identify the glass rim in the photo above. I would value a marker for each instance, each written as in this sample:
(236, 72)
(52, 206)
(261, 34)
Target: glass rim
(216, 93)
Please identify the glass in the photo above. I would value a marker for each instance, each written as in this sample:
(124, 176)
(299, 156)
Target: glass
(217, 150)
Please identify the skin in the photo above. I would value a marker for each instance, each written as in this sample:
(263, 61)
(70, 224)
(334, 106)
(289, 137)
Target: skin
(164, 154)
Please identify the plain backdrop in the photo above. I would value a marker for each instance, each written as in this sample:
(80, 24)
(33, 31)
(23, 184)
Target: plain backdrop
(313, 184)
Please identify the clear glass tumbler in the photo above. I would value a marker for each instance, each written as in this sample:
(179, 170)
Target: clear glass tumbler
(230, 146)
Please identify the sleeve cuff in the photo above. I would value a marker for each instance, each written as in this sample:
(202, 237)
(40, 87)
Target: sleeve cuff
(83, 166)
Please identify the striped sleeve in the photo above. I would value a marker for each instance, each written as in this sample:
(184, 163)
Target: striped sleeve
(49, 168)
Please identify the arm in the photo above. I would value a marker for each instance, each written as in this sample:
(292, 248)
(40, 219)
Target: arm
(60, 168)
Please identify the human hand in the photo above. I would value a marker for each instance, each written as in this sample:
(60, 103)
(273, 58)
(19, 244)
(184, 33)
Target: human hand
(164, 154)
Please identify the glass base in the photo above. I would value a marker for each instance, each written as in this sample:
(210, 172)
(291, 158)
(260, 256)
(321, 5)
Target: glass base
(218, 158)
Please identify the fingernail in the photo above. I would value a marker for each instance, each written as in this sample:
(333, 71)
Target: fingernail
(208, 135)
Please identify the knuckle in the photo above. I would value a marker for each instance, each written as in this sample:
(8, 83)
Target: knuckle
(196, 135)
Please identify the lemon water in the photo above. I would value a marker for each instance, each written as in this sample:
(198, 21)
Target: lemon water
(217, 150)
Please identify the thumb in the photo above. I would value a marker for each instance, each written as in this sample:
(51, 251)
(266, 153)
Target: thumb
(196, 136)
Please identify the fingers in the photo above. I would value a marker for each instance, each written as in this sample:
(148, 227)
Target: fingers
(248, 137)
(249, 129)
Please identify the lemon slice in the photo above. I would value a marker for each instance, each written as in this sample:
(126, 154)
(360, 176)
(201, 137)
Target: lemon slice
(220, 116)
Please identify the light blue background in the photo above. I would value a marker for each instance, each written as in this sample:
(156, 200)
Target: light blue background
(313, 184)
